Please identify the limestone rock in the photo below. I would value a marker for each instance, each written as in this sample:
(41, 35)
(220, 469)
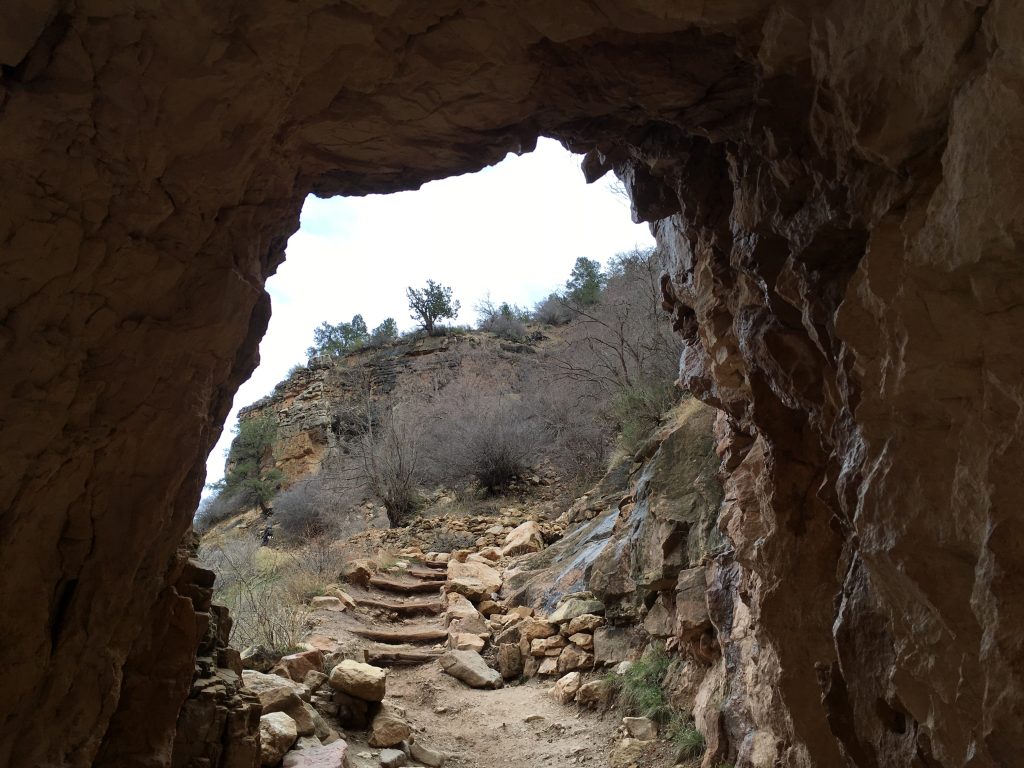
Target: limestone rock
(523, 539)
(363, 681)
(388, 728)
(358, 572)
(326, 603)
(333, 755)
(566, 687)
(464, 641)
(470, 668)
(458, 607)
(583, 640)
(392, 758)
(586, 622)
(548, 666)
(611, 644)
(473, 580)
(298, 665)
(642, 728)
(277, 734)
(257, 658)
(429, 757)
(573, 657)
(597, 694)
(510, 661)
(575, 608)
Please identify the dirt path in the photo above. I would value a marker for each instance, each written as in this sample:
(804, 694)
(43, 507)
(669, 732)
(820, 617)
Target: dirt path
(519, 725)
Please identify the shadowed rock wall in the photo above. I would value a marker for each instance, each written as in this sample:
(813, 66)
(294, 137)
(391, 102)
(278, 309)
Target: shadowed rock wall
(837, 185)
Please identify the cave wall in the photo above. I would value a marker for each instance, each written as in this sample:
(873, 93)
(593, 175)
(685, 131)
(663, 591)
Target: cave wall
(835, 184)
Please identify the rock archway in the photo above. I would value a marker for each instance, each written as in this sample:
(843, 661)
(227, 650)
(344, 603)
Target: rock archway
(837, 187)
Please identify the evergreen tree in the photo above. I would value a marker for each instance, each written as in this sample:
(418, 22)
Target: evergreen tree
(585, 282)
(432, 303)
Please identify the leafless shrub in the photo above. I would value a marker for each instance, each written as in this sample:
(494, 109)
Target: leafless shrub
(380, 436)
(216, 509)
(250, 583)
(553, 310)
(479, 432)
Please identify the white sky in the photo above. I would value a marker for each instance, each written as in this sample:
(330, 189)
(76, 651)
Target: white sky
(514, 229)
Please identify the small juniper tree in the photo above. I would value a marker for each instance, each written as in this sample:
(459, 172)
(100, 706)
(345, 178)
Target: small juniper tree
(432, 303)
(585, 282)
(247, 477)
(338, 340)
(385, 332)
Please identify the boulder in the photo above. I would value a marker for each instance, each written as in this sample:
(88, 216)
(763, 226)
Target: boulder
(573, 657)
(611, 645)
(392, 758)
(587, 622)
(363, 681)
(531, 629)
(297, 665)
(333, 755)
(314, 680)
(307, 742)
(277, 734)
(595, 694)
(388, 728)
(522, 611)
(429, 757)
(575, 607)
(548, 646)
(566, 687)
(272, 689)
(358, 572)
(510, 661)
(474, 580)
(660, 619)
(470, 668)
(458, 607)
(548, 666)
(258, 658)
(488, 608)
(474, 625)
(345, 598)
(583, 640)
(523, 539)
(464, 641)
(642, 728)
(326, 603)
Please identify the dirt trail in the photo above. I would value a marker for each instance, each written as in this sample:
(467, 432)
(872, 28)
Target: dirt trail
(520, 725)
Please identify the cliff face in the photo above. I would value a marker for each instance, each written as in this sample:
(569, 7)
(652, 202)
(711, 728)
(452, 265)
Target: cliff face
(837, 186)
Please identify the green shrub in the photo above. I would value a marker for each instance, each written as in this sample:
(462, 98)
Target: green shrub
(688, 740)
(639, 691)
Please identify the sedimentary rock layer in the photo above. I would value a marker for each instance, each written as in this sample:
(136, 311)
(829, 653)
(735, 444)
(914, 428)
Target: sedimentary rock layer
(837, 186)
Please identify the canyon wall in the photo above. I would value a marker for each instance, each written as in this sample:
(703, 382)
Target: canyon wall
(836, 185)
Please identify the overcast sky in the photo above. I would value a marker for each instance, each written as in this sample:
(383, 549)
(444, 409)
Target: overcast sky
(514, 230)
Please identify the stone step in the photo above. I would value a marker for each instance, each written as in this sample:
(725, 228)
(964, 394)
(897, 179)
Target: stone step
(410, 608)
(389, 658)
(405, 587)
(410, 635)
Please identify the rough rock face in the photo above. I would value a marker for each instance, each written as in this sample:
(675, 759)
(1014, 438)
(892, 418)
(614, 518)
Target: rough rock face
(837, 186)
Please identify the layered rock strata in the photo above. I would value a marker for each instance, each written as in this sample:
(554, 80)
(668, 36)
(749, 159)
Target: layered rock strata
(837, 186)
